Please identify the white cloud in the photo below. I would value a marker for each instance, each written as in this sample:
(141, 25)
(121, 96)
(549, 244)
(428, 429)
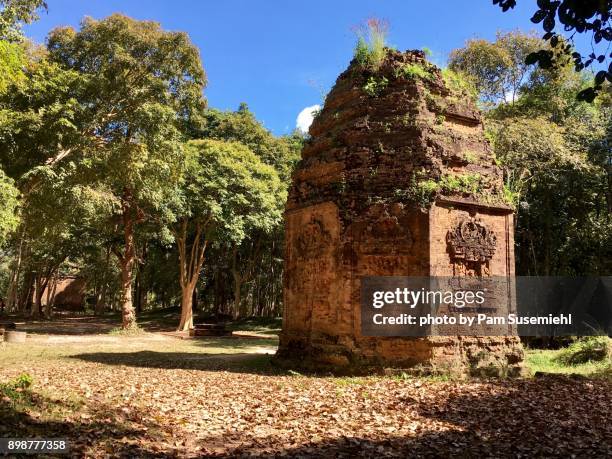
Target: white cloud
(304, 119)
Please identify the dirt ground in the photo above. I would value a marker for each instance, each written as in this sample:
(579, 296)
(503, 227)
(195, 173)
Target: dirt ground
(156, 395)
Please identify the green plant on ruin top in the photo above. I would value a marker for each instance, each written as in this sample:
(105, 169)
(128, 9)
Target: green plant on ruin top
(413, 72)
(456, 82)
(370, 50)
(374, 86)
(423, 189)
(461, 183)
(470, 156)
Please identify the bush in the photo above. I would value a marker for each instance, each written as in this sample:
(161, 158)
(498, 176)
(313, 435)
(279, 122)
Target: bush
(374, 87)
(413, 72)
(586, 349)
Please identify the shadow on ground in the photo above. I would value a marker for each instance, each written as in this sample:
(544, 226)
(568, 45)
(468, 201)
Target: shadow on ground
(256, 363)
(107, 432)
(554, 416)
(164, 320)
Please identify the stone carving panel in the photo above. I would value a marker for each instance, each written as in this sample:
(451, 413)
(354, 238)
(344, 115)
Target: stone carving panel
(471, 241)
(312, 240)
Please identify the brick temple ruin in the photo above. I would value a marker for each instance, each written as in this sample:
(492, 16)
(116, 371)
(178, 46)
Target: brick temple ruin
(396, 180)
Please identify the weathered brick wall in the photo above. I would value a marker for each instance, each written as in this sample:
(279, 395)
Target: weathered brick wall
(373, 195)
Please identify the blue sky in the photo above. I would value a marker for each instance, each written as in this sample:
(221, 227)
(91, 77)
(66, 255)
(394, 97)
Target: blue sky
(281, 56)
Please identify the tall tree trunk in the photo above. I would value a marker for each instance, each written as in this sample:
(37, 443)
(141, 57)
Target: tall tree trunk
(137, 292)
(51, 290)
(239, 310)
(38, 294)
(11, 301)
(101, 298)
(194, 298)
(128, 315)
(126, 264)
(25, 298)
(191, 260)
(186, 322)
(241, 276)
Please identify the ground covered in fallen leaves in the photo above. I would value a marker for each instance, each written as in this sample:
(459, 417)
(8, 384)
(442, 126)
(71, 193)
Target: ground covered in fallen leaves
(154, 395)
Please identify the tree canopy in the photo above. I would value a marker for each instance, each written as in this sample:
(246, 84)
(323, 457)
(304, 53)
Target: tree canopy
(576, 17)
(9, 196)
(555, 152)
(15, 13)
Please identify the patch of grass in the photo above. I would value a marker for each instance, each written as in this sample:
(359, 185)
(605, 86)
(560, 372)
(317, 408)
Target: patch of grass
(470, 156)
(548, 361)
(17, 392)
(261, 325)
(133, 331)
(370, 50)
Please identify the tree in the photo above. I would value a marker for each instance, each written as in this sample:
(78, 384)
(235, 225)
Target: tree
(226, 191)
(496, 69)
(280, 152)
(140, 91)
(12, 61)
(553, 181)
(14, 13)
(37, 129)
(556, 156)
(254, 269)
(576, 17)
(9, 196)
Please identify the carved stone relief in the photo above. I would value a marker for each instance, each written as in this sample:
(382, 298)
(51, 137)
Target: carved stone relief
(471, 241)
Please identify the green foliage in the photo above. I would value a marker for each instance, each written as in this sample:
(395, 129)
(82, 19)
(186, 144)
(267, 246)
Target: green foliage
(12, 61)
(15, 13)
(458, 83)
(242, 126)
(496, 69)
(39, 117)
(578, 17)
(141, 88)
(587, 349)
(9, 196)
(557, 184)
(16, 390)
(510, 197)
(226, 184)
(362, 52)
(426, 51)
(375, 86)
(424, 189)
(370, 50)
(461, 183)
(554, 150)
(413, 72)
